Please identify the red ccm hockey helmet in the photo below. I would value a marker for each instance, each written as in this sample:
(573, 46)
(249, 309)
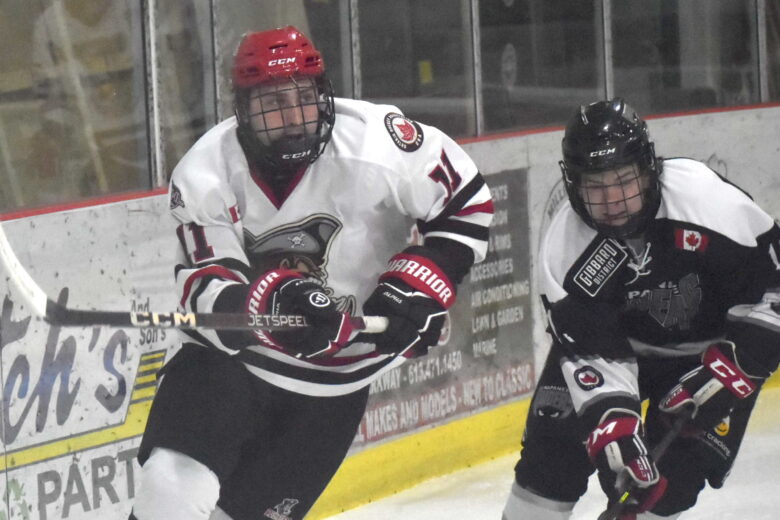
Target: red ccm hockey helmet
(283, 100)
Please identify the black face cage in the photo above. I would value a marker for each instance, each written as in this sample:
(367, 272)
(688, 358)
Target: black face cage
(298, 144)
(647, 165)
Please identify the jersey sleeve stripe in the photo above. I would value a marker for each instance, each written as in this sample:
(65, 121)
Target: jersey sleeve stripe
(217, 271)
(233, 264)
(204, 287)
(455, 227)
(479, 246)
(483, 207)
(462, 198)
(481, 219)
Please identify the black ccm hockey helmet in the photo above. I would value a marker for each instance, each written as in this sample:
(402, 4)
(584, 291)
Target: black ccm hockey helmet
(609, 136)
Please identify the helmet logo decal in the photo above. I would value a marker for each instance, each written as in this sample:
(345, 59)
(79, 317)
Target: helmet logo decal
(405, 133)
(297, 155)
(606, 151)
(281, 61)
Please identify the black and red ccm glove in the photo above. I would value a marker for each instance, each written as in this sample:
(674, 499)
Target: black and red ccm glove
(711, 389)
(414, 294)
(617, 449)
(285, 292)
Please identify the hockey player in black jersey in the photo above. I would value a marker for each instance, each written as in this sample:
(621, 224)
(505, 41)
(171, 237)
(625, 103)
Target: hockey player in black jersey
(300, 204)
(660, 280)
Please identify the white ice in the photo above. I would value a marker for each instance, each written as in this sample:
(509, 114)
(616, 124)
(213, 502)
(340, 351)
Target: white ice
(752, 491)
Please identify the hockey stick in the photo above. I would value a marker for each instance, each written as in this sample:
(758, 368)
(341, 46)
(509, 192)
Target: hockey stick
(614, 511)
(57, 314)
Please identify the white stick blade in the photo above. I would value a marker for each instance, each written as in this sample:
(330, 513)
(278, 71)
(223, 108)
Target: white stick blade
(20, 278)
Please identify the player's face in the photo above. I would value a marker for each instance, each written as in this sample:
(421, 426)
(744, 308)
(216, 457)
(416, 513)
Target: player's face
(286, 109)
(613, 196)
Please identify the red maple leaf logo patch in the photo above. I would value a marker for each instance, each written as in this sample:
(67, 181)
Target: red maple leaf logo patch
(588, 378)
(690, 240)
(407, 130)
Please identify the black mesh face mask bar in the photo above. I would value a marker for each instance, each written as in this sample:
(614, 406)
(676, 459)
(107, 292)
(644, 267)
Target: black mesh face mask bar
(614, 196)
(288, 109)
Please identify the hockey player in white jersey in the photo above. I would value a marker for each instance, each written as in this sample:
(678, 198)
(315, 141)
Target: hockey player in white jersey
(660, 279)
(300, 204)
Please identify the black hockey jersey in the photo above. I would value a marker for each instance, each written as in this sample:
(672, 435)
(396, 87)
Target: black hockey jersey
(342, 220)
(708, 261)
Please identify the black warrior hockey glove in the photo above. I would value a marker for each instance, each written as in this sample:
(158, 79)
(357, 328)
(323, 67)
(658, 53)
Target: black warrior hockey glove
(617, 448)
(414, 294)
(711, 389)
(285, 292)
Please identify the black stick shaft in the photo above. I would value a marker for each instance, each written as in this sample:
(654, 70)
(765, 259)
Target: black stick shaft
(58, 315)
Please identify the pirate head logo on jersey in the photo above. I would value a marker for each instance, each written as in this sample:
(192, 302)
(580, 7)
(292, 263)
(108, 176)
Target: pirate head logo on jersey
(301, 246)
(283, 510)
(298, 240)
(672, 304)
(588, 378)
(405, 133)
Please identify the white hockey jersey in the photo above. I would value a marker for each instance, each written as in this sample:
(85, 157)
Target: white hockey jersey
(341, 221)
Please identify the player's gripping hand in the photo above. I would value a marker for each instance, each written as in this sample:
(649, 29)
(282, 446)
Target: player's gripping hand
(281, 292)
(414, 295)
(711, 389)
(617, 449)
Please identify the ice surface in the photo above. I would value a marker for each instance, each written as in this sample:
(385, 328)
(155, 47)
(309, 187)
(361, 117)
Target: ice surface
(478, 493)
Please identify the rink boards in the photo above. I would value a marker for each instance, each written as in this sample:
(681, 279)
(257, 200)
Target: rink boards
(75, 400)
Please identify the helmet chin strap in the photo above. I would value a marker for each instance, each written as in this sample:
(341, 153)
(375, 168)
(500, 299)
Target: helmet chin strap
(277, 176)
(632, 229)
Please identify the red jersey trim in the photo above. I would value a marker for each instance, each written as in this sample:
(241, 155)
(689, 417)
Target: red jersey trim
(212, 270)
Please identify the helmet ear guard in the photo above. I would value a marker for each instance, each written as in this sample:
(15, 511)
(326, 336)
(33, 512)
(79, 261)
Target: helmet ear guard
(607, 136)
